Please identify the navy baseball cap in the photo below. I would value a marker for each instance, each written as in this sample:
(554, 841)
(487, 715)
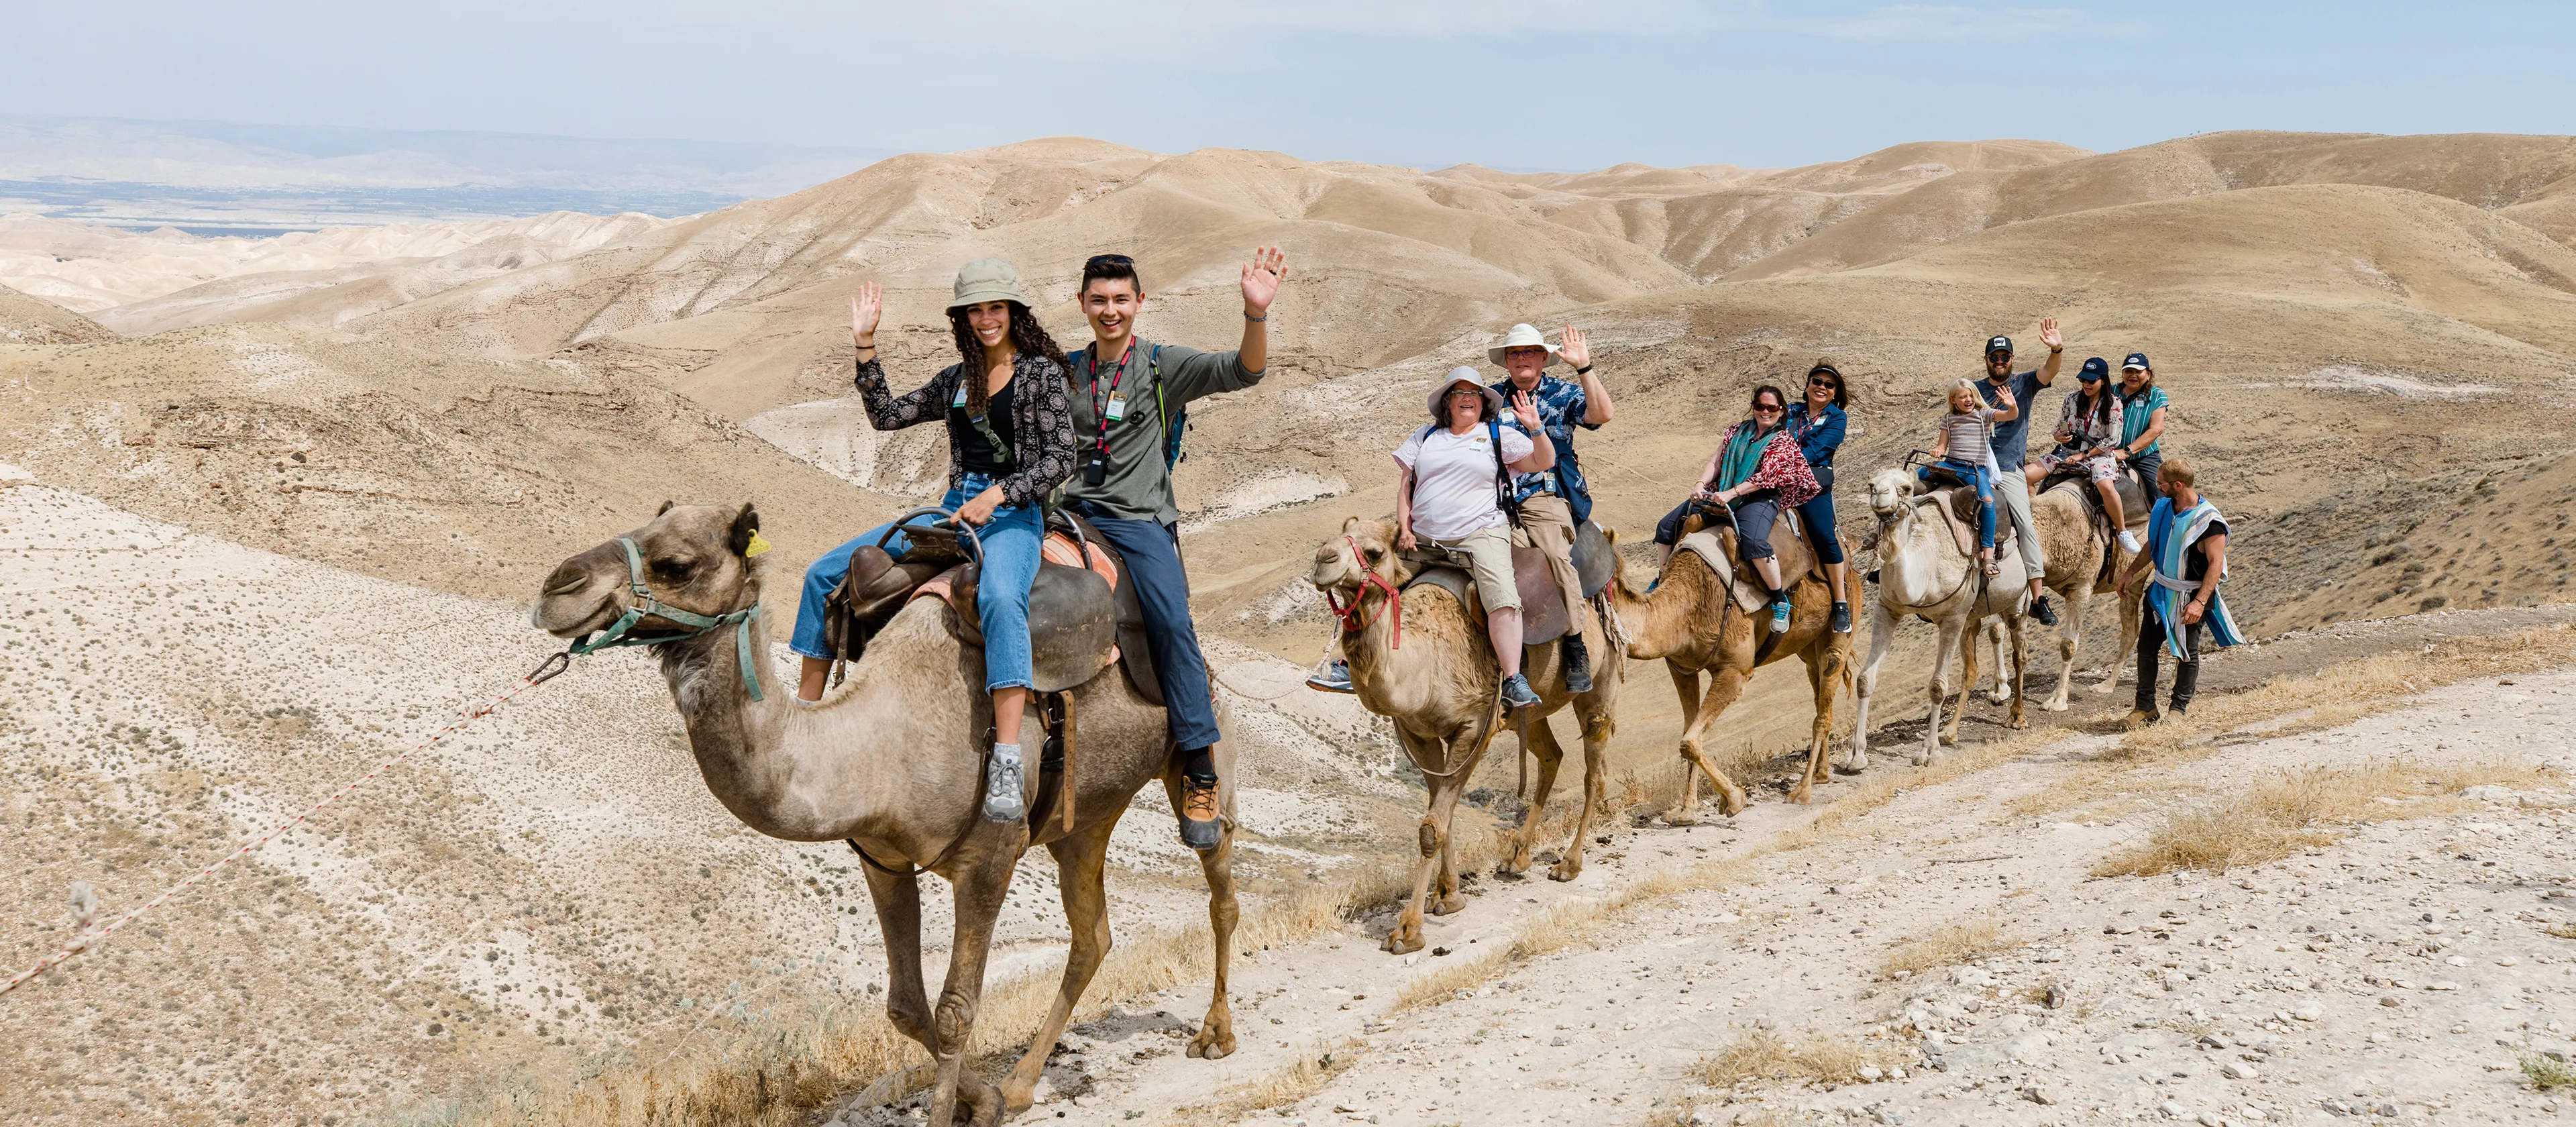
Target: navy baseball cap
(2137, 361)
(1998, 344)
(2095, 368)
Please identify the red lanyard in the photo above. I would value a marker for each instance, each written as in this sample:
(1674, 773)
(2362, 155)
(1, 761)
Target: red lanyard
(1092, 362)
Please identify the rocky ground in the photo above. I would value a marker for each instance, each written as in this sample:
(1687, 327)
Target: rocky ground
(2405, 967)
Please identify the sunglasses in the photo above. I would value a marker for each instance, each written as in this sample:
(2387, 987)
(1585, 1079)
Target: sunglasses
(1758, 408)
(1824, 382)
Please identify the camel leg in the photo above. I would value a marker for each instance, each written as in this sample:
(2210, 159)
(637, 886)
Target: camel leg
(1993, 634)
(1686, 683)
(1551, 758)
(1882, 634)
(1596, 778)
(1943, 650)
(898, 904)
(2070, 642)
(1215, 1038)
(1723, 688)
(1079, 860)
(2130, 615)
(979, 889)
(2020, 655)
(1972, 643)
(1431, 836)
(1827, 663)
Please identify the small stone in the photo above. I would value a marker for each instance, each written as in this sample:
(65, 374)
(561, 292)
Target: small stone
(2211, 1119)
(2038, 1096)
(2171, 1109)
(2389, 1000)
(2308, 1011)
(2236, 1070)
(2443, 985)
(1871, 1073)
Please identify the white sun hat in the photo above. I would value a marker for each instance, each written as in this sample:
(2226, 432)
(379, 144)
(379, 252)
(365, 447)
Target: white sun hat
(1461, 374)
(1521, 336)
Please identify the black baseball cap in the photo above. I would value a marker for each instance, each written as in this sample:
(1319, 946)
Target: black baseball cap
(2137, 361)
(2095, 368)
(1999, 344)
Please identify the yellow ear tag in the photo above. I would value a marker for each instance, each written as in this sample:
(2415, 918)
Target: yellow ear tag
(757, 545)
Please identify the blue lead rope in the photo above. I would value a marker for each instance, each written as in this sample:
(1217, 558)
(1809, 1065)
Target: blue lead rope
(644, 606)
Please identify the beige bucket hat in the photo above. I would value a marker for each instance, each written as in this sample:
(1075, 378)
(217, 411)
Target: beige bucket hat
(1522, 336)
(987, 279)
(1461, 374)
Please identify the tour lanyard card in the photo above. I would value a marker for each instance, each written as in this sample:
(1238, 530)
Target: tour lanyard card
(1117, 409)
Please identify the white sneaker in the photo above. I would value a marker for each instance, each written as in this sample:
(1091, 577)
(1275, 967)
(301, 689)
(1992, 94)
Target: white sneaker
(1002, 785)
(2129, 541)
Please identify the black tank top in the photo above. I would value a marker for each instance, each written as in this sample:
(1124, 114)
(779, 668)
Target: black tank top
(977, 453)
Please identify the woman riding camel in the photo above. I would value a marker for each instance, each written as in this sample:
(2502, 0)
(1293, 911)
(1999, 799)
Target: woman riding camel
(1817, 424)
(1010, 443)
(1449, 495)
(1757, 470)
(1965, 450)
(2089, 429)
(2142, 427)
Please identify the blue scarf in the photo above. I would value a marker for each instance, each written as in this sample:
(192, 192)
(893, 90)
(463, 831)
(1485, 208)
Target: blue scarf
(2169, 536)
(1744, 446)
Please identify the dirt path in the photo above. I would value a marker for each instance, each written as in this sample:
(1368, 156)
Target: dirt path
(2396, 971)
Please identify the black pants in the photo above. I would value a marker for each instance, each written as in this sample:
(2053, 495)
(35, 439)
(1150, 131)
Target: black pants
(2150, 466)
(1755, 513)
(2151, 649)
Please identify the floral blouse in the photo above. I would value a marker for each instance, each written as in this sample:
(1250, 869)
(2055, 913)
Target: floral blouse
(1042, 442)
(1782, 468)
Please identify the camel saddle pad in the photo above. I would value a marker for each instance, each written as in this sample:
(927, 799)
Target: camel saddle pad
(1958, 505)
(1542, 603)
(2134, 505)
(1716, 548)
(1073, 620)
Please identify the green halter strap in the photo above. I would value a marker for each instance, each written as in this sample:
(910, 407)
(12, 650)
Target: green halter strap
(644, 606)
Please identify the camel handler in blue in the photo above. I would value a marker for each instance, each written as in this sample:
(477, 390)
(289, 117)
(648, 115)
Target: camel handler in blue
(1128, 398)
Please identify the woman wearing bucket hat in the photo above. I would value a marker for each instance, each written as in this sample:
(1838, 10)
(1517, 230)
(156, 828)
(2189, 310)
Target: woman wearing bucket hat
(1010, 443)
(1453, 477)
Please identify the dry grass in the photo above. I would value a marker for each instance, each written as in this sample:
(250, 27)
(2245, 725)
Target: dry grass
(1948, 945)
(2282, 816)
(2544, 1073)
(1303, 1077)
(1762, 1054)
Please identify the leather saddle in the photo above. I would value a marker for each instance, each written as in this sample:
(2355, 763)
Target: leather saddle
(1958, 504)
(2134, 502)
(1083, 613)
(1710, 535)
(1544, 615)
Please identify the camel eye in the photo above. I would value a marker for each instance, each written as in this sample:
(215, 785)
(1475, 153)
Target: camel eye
(1376, 554)
(673, 570)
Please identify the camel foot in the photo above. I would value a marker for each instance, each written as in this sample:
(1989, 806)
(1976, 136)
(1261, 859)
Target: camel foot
(1447, 905)
(1805, 794)
(1405, 939)
(1731, 804)
(1998, 697)
(2018, 720)
(1567, 869)
(1681, 817)
(1016, 1097)
(979, 1103)
(2053, 704)
(1923, 755)
(1514, 865)
(1213, 1043)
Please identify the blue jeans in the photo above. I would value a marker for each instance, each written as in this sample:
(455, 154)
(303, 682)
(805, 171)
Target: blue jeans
(1818, 512)
(1010, 542)
(1974, 474)
(1153, 554)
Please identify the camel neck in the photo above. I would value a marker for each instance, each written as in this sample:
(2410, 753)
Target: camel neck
(1374, 661)
(784, 767)
(1658, 621)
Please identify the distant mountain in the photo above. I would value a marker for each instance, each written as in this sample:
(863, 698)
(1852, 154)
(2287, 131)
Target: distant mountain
(232, 178)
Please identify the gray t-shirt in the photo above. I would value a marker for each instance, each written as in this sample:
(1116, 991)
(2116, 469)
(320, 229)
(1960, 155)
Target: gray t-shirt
(2010, 437)
(1139, 482)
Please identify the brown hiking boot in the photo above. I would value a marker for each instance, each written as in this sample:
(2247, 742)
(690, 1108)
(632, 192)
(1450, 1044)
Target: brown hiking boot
(2138, 718)
(1201, 815)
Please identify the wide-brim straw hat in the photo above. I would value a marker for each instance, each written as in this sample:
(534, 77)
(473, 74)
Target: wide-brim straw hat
(1460, 375)
(987, 279)
(1522, 336)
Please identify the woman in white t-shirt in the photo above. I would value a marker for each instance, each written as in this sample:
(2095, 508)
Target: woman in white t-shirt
(1449, 493)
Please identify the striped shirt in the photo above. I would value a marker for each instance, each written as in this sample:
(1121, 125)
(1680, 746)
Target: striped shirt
(1968, 435)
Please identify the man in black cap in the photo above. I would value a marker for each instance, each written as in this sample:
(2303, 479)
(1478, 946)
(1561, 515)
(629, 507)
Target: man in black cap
(2009, 441)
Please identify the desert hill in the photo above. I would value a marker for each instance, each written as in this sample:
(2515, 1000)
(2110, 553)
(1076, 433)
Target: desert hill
(27, 319)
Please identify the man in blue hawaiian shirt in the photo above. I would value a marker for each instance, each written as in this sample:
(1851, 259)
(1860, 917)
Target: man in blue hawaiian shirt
(1556, 501)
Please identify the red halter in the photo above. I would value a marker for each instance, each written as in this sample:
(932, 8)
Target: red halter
(1350, 615)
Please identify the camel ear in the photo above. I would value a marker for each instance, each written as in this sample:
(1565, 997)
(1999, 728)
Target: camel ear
(746, 530)
(666, 507)
(1349, 523)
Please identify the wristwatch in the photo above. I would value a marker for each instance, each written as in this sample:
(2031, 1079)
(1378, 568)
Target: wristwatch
(1584, 370)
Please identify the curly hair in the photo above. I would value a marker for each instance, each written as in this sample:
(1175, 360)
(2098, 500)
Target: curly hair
(1027, 336)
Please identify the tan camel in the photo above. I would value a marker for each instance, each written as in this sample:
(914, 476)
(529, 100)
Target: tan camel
(1691, 622)
(2075, 572)
(1923, 574)
(890, 761)
(1443, 690)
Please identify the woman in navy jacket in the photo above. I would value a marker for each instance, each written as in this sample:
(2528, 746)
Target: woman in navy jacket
(1817, 422)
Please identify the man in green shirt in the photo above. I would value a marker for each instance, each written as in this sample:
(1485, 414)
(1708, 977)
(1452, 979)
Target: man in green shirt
(1128, 394)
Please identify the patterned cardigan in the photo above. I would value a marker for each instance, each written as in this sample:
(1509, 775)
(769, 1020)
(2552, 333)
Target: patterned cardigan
(1783, 468)
(1042, 444)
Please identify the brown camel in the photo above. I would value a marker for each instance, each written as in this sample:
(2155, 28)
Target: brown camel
(2076, 571)
(1690, 621)
(890, 761)
(1442, 688)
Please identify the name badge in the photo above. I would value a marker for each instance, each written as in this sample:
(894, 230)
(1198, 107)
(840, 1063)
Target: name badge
(960, 401)
(1117, 409)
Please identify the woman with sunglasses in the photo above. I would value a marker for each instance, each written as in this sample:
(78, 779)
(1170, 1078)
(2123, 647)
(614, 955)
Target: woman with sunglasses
(1817, 423)
(1758, 470)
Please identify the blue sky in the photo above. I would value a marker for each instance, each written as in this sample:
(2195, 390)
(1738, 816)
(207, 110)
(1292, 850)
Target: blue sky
(1511, 83)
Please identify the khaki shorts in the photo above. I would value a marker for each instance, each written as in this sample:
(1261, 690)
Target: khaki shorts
(1487, 555)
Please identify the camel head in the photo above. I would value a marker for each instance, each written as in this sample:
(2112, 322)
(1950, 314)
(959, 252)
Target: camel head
(696, 558)
(1345, 561)
(1891, 493)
